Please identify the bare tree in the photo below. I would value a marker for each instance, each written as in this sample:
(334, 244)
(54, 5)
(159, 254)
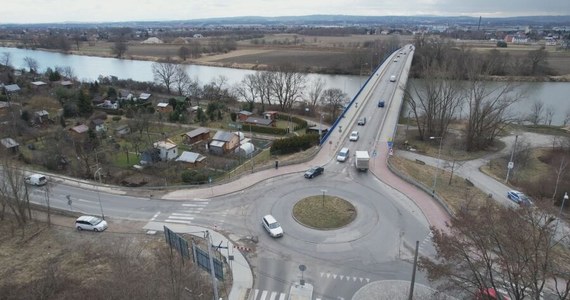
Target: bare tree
(435, 103)
(560, 173)
(287, 85)
(487, 110)
(164, 73)
(263, 81)
(566, 118)
(14, 193)
(247, 90)
(549, 115)
(333, 98)
(316, 88)
(538, 61)
(32, 64)
(536, 112)
(181, 80)
(66, 72)
(120, 47)
(497, 247)
(6, 58)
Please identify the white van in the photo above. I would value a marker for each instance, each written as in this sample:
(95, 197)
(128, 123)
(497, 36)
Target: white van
(393, 78)
(36, 179)
(342, 154)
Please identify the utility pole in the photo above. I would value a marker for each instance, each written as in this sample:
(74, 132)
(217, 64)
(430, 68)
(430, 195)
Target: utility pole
(212, 273)
(413, 282)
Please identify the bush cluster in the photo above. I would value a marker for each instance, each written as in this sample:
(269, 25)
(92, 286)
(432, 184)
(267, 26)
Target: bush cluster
(294, 144)
(194, 177)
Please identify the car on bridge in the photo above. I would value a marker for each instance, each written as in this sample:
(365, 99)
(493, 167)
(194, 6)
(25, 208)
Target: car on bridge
(381, 103)
(353, 136)
(342, 154)
(362, 121)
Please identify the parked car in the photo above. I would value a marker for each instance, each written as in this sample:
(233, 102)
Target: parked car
(36, 179)
(381, 103)
(353, 136)
(393, 78)
(314, 172)
(519, 198)
(362, 121)
(343, 154)
(272, 226)
(90, 223)
(492, 294)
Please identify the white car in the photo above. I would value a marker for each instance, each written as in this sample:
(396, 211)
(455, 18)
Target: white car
(90, 223)
(36, 179)
(353, 136)
(342, 154)
(272, 226)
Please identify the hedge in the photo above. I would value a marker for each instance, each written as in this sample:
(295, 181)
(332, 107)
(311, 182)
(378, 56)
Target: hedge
(294, 144)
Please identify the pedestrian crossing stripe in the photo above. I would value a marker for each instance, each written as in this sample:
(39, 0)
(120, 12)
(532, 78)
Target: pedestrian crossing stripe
(344, 277)
(267, 295)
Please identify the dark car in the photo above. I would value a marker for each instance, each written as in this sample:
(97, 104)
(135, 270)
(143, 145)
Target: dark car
(381, 103)
(314, 171)
(519, 198)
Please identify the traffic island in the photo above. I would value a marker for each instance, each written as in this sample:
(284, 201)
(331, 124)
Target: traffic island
(324, 212)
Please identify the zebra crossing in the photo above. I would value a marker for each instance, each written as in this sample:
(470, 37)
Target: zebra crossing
(266, 295)
(188, 212)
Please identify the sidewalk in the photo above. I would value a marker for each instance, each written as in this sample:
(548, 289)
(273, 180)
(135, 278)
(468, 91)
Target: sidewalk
(241, 272)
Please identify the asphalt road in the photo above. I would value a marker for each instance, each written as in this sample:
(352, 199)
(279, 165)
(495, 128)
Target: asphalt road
(378, 245)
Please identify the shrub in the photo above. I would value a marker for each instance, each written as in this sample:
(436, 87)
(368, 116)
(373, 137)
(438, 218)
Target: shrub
(294, 144)
(194, 177)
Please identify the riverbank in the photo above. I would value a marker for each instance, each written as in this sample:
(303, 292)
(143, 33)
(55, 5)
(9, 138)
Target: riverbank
(309, 60)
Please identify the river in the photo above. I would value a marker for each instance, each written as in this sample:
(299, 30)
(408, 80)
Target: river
(89, 68)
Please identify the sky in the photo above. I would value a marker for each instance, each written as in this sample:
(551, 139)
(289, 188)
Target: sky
(58, 11)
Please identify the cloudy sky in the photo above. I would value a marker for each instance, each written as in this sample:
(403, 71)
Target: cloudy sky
(43, 11)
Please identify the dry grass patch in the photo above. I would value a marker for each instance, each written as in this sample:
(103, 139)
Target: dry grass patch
(324, 212)
(457, 194)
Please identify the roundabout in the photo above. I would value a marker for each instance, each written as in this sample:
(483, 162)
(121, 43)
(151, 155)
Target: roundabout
(324, 212)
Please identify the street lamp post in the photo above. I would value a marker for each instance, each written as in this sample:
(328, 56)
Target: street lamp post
(99, 195)
(321, 130)
(560, 213)
(323, 202)
(511, 163)
(438, 160)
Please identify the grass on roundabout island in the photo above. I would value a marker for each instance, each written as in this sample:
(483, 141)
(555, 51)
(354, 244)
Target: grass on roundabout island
(324, 212)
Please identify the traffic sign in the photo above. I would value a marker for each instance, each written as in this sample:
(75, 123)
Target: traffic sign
(511, 165)
(391, 152)
(390, 144)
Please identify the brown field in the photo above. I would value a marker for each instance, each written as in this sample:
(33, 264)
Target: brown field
(328, 54)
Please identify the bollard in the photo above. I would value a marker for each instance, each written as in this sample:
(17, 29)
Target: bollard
(276, 164)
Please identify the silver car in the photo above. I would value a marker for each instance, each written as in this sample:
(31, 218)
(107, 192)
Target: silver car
(90, 223)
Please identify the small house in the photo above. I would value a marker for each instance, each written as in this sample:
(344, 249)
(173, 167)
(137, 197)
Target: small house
(164, 108)
(271, 115)
(98, 125)
(41, 116)
(243, 115)
(168, 150)
(38, 84)
(190, 157)
(125, 95)
(260, 121)
(245, 149)
(79, 129)
(10, 144)
(122, 130)
(196, 135)
(11, 89)
(66, 83)
(223, 142)
(144, 97)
